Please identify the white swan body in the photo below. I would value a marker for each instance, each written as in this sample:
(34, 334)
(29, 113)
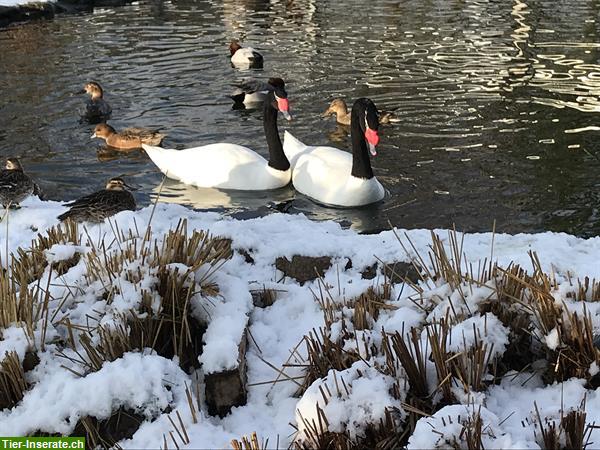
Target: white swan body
(324, 174)
(225, 166)
(231, 166)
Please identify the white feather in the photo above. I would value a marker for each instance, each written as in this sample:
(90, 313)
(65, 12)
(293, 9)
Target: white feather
(225, 166)
(243, 57)
(324, 174)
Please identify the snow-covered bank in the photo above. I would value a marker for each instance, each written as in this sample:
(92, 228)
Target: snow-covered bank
(373, 384)
(20, 2)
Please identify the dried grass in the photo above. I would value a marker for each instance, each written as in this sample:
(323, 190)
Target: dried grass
(12, 381)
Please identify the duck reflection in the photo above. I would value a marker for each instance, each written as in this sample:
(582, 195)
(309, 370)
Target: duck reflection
(340, 134)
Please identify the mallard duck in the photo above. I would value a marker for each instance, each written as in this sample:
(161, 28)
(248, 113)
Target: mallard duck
(96, 109)
(102, 204)
(340, 109)
(15, 185)
(129, 138)
(335, 177)
(244, 57)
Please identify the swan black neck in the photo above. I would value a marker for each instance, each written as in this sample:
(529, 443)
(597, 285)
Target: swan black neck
(361, 164)
(277, 159)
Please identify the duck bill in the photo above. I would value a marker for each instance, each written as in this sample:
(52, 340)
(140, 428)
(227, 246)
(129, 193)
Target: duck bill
(326, 114)
(372, 139)
(82, 91)
(93, 136)
(284, 107)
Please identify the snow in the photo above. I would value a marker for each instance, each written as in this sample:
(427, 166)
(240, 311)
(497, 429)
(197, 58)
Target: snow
(152, 385)
(362, 401)
(19, 2)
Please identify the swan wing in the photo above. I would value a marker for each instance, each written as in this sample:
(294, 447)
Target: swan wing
(226, 166)
(324, 174)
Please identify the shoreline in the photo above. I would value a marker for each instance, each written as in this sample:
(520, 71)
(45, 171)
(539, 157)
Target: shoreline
(268, 303)
(19, 13)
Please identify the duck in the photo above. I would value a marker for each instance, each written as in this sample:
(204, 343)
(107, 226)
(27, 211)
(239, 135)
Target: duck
(97, 110)
(15, 184)
(231, 166)
(340, 109)
(251, 90)
(129, 138)
(107, 202)
(244, 57)
(334, 177)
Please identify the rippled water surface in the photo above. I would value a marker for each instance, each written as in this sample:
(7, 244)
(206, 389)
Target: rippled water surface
(498, 101)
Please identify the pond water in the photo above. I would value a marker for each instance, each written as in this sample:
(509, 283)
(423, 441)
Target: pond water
(498, 102)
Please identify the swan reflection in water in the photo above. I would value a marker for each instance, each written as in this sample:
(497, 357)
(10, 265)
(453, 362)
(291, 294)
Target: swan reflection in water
(174, 191)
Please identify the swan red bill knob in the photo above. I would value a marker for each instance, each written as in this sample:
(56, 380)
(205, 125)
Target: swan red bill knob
(373, 139)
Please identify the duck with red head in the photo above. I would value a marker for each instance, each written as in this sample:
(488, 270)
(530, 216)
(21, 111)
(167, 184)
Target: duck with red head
(231, 166)
(335, 177)
(244, 57)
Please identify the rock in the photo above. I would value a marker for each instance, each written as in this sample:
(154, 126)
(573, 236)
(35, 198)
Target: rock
(224, 390)
(369, 272)
(246, 254)
(30, 361)
(122, 424)
(263, 297)
(303, 268)
(395, 272)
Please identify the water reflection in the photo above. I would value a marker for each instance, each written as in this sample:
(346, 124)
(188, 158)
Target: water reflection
(172, 191)
(493, 99)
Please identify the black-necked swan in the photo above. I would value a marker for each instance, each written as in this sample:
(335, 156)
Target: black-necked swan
(244, 57)
(335, 177)
(251, 90)
(231, 166)
(339, 108)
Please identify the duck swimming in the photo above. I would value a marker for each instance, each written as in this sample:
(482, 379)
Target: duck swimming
(231, 166)
(334, 177)
(339, 108)
(96, 109)
(15, 185)
(251, 90)
(102, 204)
(129, 138)
(244, 57)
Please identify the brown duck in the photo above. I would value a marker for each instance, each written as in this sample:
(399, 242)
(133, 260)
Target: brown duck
(96, 109)
(342, 115)
(15, 185)
(129, 138)
(102, 204)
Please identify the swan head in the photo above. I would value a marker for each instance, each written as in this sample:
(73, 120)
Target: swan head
(369, 122)
(338, 107)
(103, 130)
(13, 164)
(280, 97)
(117, 184)
(234, 46)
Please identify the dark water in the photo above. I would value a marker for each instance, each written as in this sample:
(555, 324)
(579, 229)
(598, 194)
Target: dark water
(496, 98)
